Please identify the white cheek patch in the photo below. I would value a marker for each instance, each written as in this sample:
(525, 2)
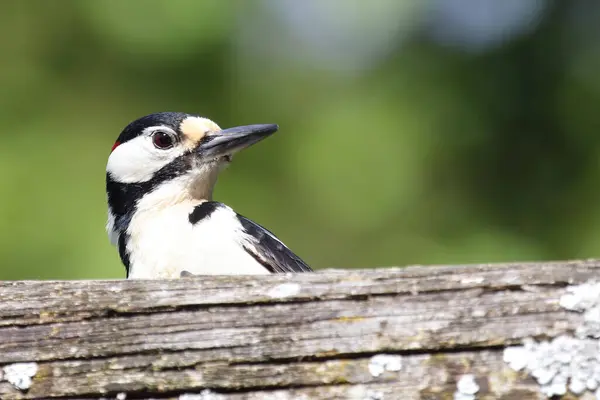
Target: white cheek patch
(137, 160)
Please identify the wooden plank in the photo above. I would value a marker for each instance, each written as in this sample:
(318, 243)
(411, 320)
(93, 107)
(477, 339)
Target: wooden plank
(310, 336)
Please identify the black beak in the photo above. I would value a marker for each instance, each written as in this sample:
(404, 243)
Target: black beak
(228, 141)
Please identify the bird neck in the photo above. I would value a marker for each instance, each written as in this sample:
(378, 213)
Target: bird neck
(200, 186)
(177, 191)
(129, 200)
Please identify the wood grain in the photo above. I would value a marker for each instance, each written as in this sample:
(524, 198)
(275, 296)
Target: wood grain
(308, 336)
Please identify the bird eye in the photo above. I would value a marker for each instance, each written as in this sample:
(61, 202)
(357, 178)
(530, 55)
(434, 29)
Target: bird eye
(162, 140)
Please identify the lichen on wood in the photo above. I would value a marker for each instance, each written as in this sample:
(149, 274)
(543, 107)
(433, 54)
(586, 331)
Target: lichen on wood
(399, 333)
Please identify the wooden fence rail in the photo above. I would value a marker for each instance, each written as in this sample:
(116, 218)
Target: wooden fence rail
(495, 331)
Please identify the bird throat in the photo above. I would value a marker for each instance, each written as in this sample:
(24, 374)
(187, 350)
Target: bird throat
(202, 181)
(128, 201)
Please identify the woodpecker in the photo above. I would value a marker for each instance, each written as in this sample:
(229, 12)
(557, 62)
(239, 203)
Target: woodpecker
(160, 177)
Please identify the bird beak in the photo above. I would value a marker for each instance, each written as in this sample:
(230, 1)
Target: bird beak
(228, 141)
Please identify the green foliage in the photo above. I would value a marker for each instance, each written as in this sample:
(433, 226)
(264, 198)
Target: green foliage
(431, 155)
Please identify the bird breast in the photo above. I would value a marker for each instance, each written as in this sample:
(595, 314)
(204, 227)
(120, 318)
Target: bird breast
(164, 243)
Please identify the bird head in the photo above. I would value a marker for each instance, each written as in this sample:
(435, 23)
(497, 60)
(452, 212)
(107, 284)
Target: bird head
(168, 157)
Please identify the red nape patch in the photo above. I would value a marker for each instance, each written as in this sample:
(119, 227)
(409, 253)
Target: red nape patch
(117, 143)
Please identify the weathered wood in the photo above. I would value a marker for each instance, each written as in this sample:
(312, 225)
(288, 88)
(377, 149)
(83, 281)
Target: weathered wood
(311, 336)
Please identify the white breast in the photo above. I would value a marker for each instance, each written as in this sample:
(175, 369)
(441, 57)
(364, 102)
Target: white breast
(162, 243)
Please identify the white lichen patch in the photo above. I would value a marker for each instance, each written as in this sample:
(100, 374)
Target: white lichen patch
(284, 290)
(19, 375)
(374, 395)
(466, 388)
(472, 280)
(585, 298)
(566, 363)
(361, 392)
(206, 394)
(380, 363)
(563, 363)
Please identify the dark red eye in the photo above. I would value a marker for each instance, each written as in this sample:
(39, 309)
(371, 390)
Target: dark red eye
(162, 140)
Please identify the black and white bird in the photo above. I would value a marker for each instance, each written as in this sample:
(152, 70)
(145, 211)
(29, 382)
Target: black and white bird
(160, 177)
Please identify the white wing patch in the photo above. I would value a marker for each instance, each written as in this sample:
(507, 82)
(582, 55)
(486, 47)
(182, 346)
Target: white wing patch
(271, 252)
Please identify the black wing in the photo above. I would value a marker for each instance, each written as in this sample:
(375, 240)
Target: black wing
(270, 251)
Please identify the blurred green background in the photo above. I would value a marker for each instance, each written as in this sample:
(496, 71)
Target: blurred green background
(411, 132)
